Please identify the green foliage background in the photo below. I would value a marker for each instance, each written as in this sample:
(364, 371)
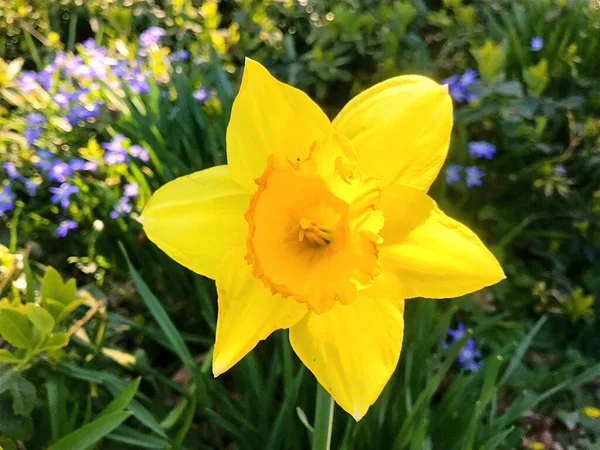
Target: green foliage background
(124, 361)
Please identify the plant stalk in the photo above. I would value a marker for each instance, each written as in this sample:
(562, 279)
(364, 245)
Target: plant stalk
(321, 437)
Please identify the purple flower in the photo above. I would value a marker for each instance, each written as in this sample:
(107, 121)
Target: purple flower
(7, 199)
(458, 86)
(64, 227)
(116, 153)
(457, 334)
(81, 112)
(468, 77)
(201, 95)
(11, 170)
(474, 176)
(139, 152)
(151, 36)
(34, 118)
(28, 82)
(44, 164)
(180, 55)
(32, 134)
(62, 193)
(121, 208)
(482, 149)
(469, 357)
(82, 164)
(31, 186)
(137, 81)
(537, 43)
(453, 173)
(131, 190)
(59, 171)
(61, 98)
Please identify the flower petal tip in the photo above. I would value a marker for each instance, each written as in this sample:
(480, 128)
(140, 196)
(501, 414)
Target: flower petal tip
(218, 370)
(357, 415)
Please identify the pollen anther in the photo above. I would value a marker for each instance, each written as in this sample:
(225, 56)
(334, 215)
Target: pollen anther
(313, 234)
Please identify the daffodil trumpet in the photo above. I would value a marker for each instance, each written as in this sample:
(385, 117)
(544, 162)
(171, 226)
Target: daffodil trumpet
(324, 227)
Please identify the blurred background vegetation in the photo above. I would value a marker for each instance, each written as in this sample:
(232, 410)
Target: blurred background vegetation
(103, 101)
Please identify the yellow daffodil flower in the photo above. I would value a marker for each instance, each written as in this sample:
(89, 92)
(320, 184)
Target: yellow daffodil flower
(324, 227)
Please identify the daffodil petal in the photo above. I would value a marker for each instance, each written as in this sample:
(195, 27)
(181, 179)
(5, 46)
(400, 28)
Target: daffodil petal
(352, 349)
(248, 312)
(270, 117)
(400, 129)
(197, 218)
(432, 255)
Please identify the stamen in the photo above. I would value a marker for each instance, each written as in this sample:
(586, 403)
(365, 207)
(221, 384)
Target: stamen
(313, 233)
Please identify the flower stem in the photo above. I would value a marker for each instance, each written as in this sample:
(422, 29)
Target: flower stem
(321, 437)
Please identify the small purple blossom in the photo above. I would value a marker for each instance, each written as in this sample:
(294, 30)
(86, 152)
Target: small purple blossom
(121, 208)
(482, 149)
(457, 334)
(474, 176)
(59, 171)
(62, 193)
(34, 118)
(116, 153)
(536, 43)
(61, 98)
(151, 36)
(453, 173)
(131, 190)
(139, 152)
(137, 81)
(469, 357)
(180, 55)
(83, 112)
(28, 82)
(30, 186)
(7, 199)
(82, 164)
(32, 134)
(11, 170)
(458, 86)
(200, 94)
(64, 227)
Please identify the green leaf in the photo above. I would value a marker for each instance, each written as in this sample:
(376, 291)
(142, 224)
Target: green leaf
(16, 329)
(56, 341)
(170, 331)
(51, 284)
(521, 350)
(8, 357)
(7, 444)
(54, 307)
(40, 318)
(54, 288)
(121, 401)
(11, 425)
(136, 439)
(24, 396)
(92, 433)
(57, 409)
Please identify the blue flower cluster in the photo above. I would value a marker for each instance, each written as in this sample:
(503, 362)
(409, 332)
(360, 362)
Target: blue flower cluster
(469, 357)
(459, 86)
(473, 174)
(73, 85)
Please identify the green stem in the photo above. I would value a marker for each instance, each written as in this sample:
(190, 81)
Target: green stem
(321, 437)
